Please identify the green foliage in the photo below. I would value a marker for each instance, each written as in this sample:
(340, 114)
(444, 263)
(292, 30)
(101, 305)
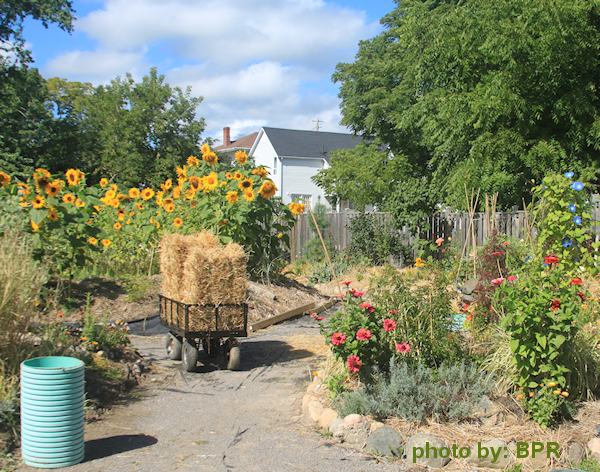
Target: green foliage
(487, 94)
(320, 271)
(564, 223)
(417, 392)
(376, 242)
(422, 315)
(103, 335)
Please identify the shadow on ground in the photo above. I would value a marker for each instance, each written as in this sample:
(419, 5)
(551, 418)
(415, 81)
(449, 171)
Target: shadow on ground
(105, 447)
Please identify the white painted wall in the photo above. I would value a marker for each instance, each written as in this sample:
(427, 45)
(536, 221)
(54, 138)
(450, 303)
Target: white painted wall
(297, 173)
(264, 155)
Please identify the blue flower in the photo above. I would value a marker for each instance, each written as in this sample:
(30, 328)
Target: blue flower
(566, 242)
(577, 220)
(577, 186)
(568, 175)
(527, 260)
(573, 207)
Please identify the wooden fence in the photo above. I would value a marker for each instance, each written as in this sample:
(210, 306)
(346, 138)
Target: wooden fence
(442, 224)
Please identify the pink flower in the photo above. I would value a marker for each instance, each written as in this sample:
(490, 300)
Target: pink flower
(370, 308)
(403, 347)
(393, 312)
(363, 334)
(439, 241)
(354, 363)
(338, 339)
(347, 283)
(389, 325)
(497, 253)
(505, 243)
(510, 278)
(358, 294)
(320, 318)
(498, 281)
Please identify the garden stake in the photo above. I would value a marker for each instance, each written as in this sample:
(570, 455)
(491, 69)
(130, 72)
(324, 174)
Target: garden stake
(337, 282)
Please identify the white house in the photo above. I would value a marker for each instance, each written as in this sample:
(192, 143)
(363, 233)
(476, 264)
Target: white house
(293, 157)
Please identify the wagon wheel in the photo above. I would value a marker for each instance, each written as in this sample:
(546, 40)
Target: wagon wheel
(189, 356)
(235, 358)
(173, 347)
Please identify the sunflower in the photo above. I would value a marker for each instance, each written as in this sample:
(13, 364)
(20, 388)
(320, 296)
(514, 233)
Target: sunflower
(114, 187)
(93, 241)
(261, 172)
(245, 184)
(121, 214)
(52, 214)
(182, 172)
(169, 208)
(122, 197)
(147, 194)
(23, 202)
(205, 149)
(193, 161)
(297, 208)
(103, 183)
(232, 197)
(249, 195)
(34, 226)
(211, 181)
(68, 198)
(193, 203)
(79, 203)
(168, 184)
(139, 206)
(177, 192)
(157, 225)
(38, 202)
(168, 201)
(106, 242)
(23, 188)
(241, 157)
(134, 192)
(189, 194)
(196, 183)
(110, 194)
(41, 183)
(52, 190)
(229, 176)
(117, 226)
(159, 198)
(4, 179)
(113, 203)
(267, 189)
(238, 175)
(73, 176)
(210, 157)
(178, 222)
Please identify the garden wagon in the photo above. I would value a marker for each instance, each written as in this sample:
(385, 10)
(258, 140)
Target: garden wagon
(213, 328)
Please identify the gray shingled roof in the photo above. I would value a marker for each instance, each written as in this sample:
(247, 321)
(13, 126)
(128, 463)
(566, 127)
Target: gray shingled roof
(297, 143)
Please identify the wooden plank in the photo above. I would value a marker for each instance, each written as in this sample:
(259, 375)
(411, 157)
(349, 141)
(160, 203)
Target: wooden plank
(282, 317)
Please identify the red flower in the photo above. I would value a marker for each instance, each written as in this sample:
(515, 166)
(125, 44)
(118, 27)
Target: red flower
(576, 282)
(358, 294)
(347, 283)
(338, 339)
(320, 318)
(354, 363)
(552, 259)
(497, 253)
(469, 318)
(363, 334)
(555, 305)
(465, 307)
(393, 312)
(60, 315)
(581, 295)
(389, 325)
(498, 281)
(370, 308)
(505, 243)
(403, 347)
(510, 278)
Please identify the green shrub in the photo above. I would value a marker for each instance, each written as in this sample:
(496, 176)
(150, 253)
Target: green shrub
(97, 335)
(417, 392)
(320, 271)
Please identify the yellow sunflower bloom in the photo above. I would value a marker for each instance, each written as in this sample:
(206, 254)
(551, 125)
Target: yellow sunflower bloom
(69, 198)
(93, 241)
(117, 226)
(52, 189)
(177, 192)
(241, 157)
(211, 181)
(267, 189)
(121, 214)
(134, 193)
(229, 176)
(193, 203)
(157, 225)
(168, 201)
(147, 194)
(79, 203)
(23, 202)
(210, 157)
(139, 206)
(106, 242)
(232, 197)
(113, 203)
(189, 194)
(196, 183)
(205, 149)
(245, 184)
(297, 208)
(4, 179)
(73, 176)
(238, 175)
(103, 182)
(34, 226)
(114, 187)
(23, 189)
(38, 202)
(169, 208)
(168, 184)
(52, 214)
(110, 194)
(249, 195)
(178, 222)
(193, 161)
(261, 172)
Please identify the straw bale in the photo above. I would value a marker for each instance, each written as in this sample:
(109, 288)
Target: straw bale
(173, 253)
(204, 239)
(238, 258)
(196, 279)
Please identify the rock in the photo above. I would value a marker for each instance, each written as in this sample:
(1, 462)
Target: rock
(540, 461)
(136, 369)
(424, 449)
(305, 399)
(385, 441)
(486, 408)
(100, 354)
(353, 419)
(469, 286)
(492, 454)
(326, 417)
(468, 298)
(260, 291)
(594, 447)
(375, 425)
(314, 409)
(356, 434)
(573, 453)
(336, 427)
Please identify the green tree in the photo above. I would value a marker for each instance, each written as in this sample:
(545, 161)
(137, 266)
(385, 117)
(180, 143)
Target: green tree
(487, 94)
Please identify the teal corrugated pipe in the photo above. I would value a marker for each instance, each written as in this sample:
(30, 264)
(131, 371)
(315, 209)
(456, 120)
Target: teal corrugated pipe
(52, 393)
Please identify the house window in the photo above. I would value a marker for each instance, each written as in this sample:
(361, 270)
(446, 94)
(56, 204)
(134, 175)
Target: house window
(296, 197)
(275, 166)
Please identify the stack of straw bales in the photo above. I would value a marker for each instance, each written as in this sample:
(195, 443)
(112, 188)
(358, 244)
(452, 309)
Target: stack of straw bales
(197, 271)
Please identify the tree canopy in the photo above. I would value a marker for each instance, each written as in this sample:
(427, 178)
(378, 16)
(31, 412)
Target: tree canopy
(487, 94)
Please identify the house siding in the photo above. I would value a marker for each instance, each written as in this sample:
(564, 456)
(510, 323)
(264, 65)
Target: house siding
(296, 179)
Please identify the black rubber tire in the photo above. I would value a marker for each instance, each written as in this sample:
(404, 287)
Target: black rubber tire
(235, 358)
(189, 357)
(173, 347)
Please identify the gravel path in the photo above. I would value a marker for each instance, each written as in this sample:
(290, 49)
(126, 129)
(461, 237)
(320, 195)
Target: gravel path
(221, 420)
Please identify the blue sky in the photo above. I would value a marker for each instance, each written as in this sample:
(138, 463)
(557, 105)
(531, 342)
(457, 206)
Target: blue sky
(255, 62)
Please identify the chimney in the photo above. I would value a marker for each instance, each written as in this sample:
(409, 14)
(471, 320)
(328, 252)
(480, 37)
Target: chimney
(226, 136)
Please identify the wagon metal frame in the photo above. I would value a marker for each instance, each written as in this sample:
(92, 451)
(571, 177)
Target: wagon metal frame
(184, 343)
